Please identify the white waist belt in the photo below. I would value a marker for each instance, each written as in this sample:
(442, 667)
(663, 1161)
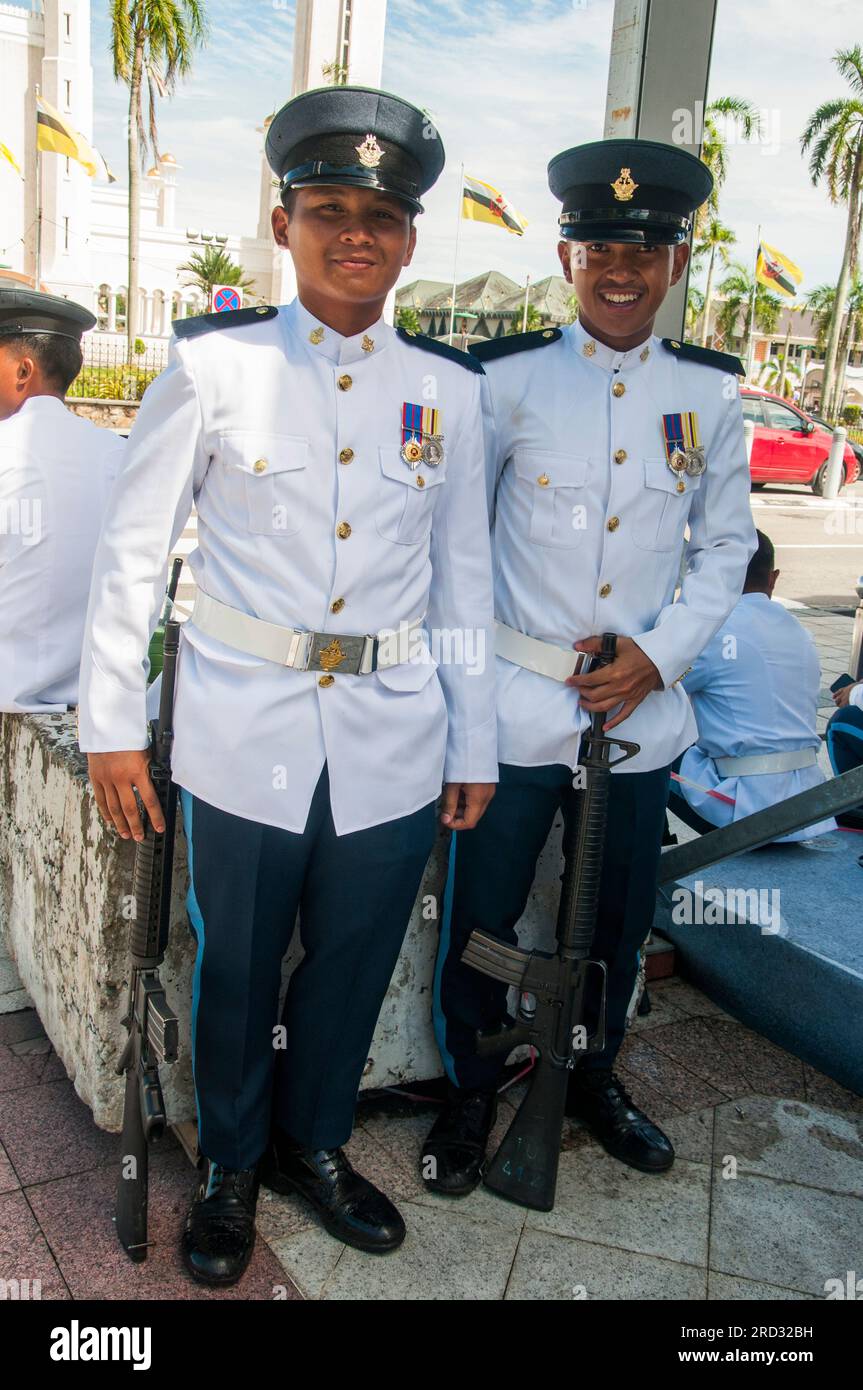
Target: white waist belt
(350, 654)
(787, 760)
(543, 657)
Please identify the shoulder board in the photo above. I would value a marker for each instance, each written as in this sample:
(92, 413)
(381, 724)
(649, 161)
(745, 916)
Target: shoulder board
(514, 342)
(421, 340)
(725, 361)
(231, 318)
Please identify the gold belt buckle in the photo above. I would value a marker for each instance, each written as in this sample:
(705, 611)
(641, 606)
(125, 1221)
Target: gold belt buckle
(329, 652)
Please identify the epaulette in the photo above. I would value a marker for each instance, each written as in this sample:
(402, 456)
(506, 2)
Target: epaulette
(690, 352)
(514, 342)
(421, 340)
(231, 318)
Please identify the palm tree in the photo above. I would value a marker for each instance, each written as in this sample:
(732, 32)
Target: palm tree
(736, 290)
(151, 43)
(819, 303)
(714, 146)
(714, 240)
(834, 140)
(210, 267)
(408, 319)
(694, 307)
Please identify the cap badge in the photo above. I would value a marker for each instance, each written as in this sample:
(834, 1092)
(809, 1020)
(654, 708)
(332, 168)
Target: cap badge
(370, 152)
(624, 186)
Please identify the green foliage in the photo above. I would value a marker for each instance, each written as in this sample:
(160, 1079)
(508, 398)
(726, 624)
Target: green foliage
(119, 383)
(534, 321)
(737, 289)
(213, 266)
(714, 150)
(571, 308)
(140, 347)
(851, 414)
(408, 319)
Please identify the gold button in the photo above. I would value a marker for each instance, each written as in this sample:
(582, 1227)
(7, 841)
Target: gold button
(605, 591)
(345, 382)
(674, 344)
(326, 680)
(618, 388)
(337, 605)
(613, 523)
(421, 482)
(346, 456)
(681, 486)
(549, 333)
(543, 480)
(260, 465)
(262, 311)
(343, 530)
(620, 456)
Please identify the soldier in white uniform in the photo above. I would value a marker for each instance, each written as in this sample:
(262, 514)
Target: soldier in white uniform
(610, 453)
(754, 690)
(56, 471)
(336, 465)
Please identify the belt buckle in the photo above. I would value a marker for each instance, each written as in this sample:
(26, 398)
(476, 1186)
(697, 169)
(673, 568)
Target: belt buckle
(330, 652)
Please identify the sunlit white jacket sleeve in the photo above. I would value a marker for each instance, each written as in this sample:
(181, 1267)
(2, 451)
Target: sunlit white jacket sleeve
(461, 605)
(149, 506)
(722, 538)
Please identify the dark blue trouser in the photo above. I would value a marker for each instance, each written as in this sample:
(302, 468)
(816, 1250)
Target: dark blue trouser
(490, 875)
(845, 740)
(354, 894)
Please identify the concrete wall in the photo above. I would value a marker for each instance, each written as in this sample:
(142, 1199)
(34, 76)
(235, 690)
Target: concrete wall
(63, 878)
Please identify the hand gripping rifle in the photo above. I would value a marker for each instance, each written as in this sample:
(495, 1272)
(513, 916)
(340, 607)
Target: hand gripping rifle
(524, 1169)
(150, 1020)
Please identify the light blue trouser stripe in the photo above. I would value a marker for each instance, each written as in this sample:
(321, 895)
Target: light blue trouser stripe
(194, 911)
(442, 953)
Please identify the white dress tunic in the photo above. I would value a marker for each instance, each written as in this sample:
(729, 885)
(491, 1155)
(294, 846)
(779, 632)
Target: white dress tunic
(56, 472)
(287, 437)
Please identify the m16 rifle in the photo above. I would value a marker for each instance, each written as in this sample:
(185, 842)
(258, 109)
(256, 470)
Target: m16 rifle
(150, 1020)
(524, 1169)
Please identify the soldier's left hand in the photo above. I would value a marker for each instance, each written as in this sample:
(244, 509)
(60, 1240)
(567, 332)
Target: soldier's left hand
(625, 681)
(464, 803)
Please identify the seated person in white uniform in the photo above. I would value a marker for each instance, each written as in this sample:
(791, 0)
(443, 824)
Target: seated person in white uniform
(754, 690)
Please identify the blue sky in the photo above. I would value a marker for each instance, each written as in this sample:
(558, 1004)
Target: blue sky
(509, 84)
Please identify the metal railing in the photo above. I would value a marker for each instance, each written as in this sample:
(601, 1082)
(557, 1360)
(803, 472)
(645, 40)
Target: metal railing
(108, 374)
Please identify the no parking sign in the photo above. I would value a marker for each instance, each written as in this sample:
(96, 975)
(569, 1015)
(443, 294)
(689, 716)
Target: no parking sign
(226, 298)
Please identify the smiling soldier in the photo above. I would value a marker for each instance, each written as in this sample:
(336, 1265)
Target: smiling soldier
(337, 469)
(605, 445)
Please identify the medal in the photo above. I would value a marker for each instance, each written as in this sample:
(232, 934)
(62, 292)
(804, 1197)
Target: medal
(422, 441)
(684, 452)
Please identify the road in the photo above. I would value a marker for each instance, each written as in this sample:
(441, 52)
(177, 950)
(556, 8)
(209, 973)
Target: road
(819, 544)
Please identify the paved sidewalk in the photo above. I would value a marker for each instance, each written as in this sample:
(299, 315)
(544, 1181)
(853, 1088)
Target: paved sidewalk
(762, 1202)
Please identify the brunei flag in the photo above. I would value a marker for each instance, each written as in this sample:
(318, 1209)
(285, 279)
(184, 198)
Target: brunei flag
(6, 153)
(776, 271)
(482, 203)
(54, 135)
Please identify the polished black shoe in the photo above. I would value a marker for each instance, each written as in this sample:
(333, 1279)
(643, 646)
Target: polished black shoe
(219, 1235)
(598, 1098)
(351, 1208)
(454, 1151)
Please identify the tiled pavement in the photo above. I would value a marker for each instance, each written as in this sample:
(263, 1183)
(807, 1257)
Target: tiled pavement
(763, 1200)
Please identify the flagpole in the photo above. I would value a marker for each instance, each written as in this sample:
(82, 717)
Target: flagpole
(38, 284)
(455, 258)
(750, 355)
(524, 315)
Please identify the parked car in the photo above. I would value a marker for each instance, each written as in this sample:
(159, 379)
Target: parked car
(788, 445)
(858, 448)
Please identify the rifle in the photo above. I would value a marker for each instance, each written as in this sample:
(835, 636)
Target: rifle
(151, 1022)
(524, 1169)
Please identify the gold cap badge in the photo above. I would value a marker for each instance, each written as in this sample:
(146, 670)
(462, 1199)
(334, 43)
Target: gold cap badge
(370, 152)
(624, 186)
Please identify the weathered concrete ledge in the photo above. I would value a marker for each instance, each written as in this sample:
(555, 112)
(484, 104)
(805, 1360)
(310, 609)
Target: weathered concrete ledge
(63, 879)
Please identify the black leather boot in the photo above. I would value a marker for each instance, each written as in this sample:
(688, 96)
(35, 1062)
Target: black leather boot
(351, 1208)
(598, 1098)
(219, 1235)
(454, 1151)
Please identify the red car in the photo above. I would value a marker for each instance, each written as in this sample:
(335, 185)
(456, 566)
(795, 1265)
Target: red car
(788, 447)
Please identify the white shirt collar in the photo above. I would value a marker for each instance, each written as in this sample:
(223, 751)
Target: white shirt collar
(604, 356)
(324, 341)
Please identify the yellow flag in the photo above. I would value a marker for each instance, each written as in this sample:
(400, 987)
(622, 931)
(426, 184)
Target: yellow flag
(776, 271)
(482, 203)
(54, 135)
(6, 153)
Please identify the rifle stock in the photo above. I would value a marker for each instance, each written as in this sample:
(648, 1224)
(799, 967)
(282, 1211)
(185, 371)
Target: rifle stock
(153, 1027)
(524, 1169)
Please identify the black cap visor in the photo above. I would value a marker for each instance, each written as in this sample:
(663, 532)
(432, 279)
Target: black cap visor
(644, 226)
(354, 176)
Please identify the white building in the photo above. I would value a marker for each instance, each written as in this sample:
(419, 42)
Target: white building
(84, 221)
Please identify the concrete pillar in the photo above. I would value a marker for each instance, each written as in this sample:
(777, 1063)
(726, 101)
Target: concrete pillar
(112, 309)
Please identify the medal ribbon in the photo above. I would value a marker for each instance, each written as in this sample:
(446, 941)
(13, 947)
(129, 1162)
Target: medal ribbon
(672, 427)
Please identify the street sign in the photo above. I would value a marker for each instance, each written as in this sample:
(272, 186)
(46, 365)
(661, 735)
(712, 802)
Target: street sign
(226, 298)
